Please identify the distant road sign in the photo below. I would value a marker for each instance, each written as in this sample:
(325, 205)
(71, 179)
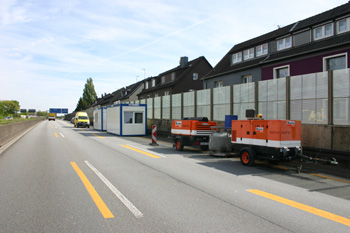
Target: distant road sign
(23, 110)
(55, 110)
(32, 110)
(58, 110)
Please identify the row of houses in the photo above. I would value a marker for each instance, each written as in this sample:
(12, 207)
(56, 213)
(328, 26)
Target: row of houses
(316, 44)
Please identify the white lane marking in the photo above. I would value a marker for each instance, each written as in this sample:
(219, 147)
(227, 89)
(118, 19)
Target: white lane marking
(62, 135)
(120, 196)
(149, 151)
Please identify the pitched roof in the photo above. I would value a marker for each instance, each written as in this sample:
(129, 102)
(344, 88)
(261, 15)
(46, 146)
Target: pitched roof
(185, 70)
(224, 65)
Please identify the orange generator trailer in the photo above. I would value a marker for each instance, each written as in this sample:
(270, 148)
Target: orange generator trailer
(273, 140)
(194, 131)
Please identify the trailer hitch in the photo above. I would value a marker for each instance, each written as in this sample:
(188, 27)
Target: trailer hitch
(315, 160)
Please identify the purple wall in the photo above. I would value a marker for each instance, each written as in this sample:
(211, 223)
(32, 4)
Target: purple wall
(303, 66)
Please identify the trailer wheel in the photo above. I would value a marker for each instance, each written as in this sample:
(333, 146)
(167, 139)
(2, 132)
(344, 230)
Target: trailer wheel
(247, 156)
(179, 145)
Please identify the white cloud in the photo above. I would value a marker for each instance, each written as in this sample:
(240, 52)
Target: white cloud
(56, 45)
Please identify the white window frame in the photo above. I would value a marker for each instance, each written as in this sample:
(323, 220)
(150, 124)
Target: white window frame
(347, 20)
(219, 84)
(146, 85)
(247, 78)
(236, 57)
(153, 82)
(261, 47)
(323, 31)
(333, 56)
(250, 54)
(285, 46)
(278, 68)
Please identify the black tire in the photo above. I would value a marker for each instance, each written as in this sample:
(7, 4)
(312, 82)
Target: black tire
(179, 145)
(247, 156)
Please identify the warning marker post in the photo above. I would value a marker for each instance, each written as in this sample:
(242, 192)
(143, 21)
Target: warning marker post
(154, 136)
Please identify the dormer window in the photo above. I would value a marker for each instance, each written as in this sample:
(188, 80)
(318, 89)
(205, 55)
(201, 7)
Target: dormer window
(343, 25)
(237, 57)
(284, 43)
(146, 85)
(261, 50)
(323, 31)
(195, 76)
(153, 82)
(248, 54)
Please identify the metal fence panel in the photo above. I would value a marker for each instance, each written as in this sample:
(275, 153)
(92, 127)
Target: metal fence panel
(176, 107)
(341, 94)
(221, 99)
(203, 103)
(157, 107)
(166, 107)
(188, 104)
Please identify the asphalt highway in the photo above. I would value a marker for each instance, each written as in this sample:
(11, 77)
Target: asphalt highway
(58, 178)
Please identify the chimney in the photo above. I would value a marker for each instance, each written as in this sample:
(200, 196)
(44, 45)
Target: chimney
(183, 61)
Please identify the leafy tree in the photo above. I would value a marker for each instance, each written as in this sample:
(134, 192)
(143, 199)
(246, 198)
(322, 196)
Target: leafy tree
(10, 106)
(2, 110)
(81, 105)
(89, 94)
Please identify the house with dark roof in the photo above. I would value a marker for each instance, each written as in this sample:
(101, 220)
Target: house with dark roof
(183, 78)
(316, 44)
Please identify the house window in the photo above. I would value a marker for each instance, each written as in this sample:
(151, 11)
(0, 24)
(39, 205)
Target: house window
(284, 43)
(248, 54)
(281, 72)
(237, 57)
(343, 25)
(166, 92)
(163, 79)
(153, 82)
(261, 50)
(172, 76)
(146, 85)
(247, 78)
(219, 84)
(195, 76)
(323, 31)
(335, 62)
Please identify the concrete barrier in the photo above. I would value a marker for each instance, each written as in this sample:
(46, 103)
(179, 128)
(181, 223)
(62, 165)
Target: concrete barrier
(10, 131)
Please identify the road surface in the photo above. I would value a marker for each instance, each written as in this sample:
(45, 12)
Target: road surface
(58, 178)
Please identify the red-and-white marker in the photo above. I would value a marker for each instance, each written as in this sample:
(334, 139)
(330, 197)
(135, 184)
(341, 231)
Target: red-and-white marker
(154, 136)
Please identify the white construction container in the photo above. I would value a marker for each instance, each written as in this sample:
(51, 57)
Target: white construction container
(127, 119)
(100, 119)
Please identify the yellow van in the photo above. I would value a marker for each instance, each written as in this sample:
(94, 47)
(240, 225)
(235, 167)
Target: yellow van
(81, 119)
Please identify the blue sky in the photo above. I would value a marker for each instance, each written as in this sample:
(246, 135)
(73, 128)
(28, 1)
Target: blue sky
(49, 48)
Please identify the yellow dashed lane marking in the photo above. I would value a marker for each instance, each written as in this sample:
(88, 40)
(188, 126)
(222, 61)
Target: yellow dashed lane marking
(142, 152)
(94, 195)
(312, 210)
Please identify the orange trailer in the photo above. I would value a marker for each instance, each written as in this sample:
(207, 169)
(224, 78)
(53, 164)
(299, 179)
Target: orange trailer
(273, 140)
(193, 131)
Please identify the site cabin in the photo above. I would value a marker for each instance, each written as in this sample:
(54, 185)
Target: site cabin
(127, 119)
(273, 140)
(193, 131)
(100, 119)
